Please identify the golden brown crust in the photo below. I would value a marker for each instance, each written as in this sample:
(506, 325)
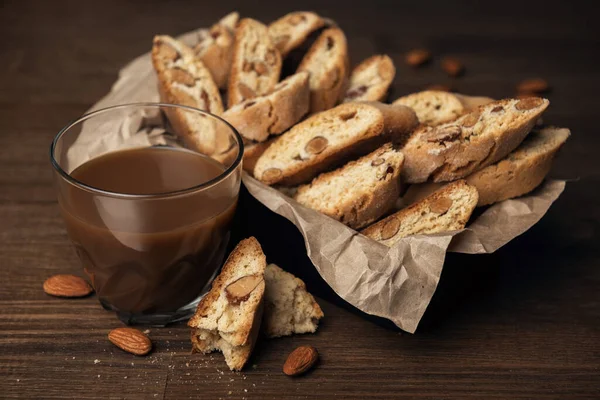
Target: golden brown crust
(256, 62)
(456, 149)
(522, 171)
(328, 64)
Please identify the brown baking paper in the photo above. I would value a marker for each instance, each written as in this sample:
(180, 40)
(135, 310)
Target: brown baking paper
(396, 283)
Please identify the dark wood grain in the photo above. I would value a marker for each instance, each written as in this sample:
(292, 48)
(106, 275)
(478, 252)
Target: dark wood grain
(523, 322)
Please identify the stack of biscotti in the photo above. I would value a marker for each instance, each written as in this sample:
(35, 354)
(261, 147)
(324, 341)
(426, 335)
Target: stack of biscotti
(244, 57)
(246, 295)
(324, 136)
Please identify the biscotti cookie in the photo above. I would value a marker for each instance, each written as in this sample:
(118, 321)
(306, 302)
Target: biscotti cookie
(434, 107)
(358, 193)
(290, 31)
(447, 209)
(228, 318)
(370, 80)
(327, 62)
(289, 308)
(215, 48)
(183, 79)
(475, 140)
(256, 63)
(522, 170)
(258, 118)
(331, 138)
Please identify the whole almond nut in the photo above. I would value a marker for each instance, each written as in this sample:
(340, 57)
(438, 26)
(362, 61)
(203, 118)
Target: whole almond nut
(378, 161)
(452, 66)
(130, 340)
(345, 116)
(497, 109)
(182, 76)
(534, 85)
(240, 290)
(470, 119)
(316, 145)
(67, 286)
(529, 103)
(246, 91)
(390, 229)
(443, 134)
(441, 205)
(271, 174)
(418, 57)
(300, 360)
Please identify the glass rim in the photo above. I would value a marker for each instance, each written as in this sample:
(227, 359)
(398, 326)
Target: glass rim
(205, 185)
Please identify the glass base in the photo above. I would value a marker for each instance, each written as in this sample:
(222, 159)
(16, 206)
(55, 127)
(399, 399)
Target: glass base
(157, 319)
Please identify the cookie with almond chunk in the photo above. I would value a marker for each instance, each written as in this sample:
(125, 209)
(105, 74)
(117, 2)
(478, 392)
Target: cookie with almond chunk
(256, 63)
(447, 209)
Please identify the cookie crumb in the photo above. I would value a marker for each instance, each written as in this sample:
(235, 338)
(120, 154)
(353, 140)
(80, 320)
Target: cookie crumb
(96, 361)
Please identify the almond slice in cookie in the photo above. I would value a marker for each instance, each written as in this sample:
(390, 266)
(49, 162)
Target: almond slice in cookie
(447, 209)
(371, 79)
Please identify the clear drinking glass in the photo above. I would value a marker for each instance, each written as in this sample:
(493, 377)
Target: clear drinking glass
(149, 257)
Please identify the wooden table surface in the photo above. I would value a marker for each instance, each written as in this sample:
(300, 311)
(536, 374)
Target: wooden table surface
(523, 322)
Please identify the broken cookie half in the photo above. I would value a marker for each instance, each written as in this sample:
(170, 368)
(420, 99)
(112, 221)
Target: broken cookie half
(289, 308)
(228, 318)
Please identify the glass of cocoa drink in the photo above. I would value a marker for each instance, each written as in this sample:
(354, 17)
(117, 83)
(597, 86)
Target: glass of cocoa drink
(148, 192)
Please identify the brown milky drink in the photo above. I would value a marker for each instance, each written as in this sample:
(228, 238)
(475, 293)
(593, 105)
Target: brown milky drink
(149, 255)
(149, 223)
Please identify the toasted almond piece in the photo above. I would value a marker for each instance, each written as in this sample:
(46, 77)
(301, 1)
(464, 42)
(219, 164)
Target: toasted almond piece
(316, 145)
(529, 103)
(444, 134)
(130, 340)
(533, 86)
(377, 161)
(390, 228)
(271, 173)
(452, 66)
(182, 76)
(441, 205)
(300, 360)
(418, 57)
(67, 286)
(240, 290)
(471, 119)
